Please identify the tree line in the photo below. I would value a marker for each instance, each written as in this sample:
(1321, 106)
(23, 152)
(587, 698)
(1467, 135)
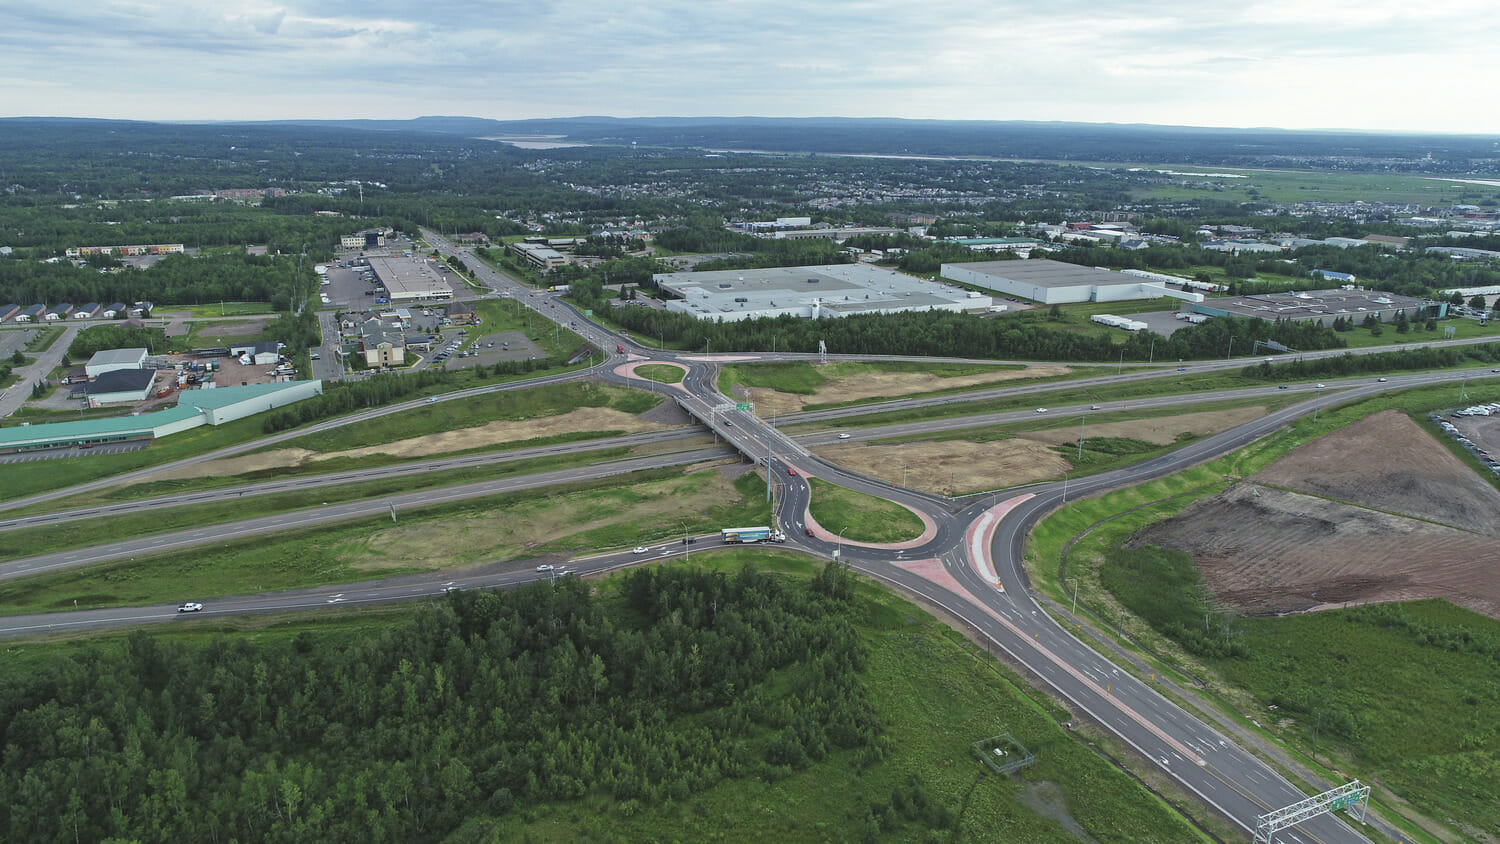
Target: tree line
(480, 705)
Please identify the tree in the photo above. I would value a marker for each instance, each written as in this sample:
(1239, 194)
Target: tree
(1478, 303)
(17, 358)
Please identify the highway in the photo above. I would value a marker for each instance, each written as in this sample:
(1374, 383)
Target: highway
(969, 560)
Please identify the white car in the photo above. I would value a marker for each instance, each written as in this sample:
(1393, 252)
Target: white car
(843, 436)
(191, 606)
(639, 549)
(1041, 410)
(1319, 387)
(544, 567)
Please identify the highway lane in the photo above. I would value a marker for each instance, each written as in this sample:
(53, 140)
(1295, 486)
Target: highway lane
(224, 533)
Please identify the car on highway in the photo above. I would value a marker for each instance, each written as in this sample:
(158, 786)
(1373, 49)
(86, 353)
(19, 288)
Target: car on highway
(808, 531)
(639, 549)
(1319, 387)
(1041, 410)
(1381, 380)
(791, 473)
(843, 436)
(544, 567)
(191, 606)
(1282, 387)
(432, 399)
(1093, 407)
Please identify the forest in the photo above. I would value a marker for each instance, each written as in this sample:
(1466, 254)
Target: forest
(481, 705)
(176, 279)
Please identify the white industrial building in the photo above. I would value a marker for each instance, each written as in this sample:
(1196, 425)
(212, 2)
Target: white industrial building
(837, 290)
(109, 360)
(260, 353)
(227, 404)
(413, 279)
(1059, 283)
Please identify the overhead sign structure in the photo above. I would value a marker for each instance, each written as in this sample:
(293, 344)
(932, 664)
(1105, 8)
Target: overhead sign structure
(743, 405)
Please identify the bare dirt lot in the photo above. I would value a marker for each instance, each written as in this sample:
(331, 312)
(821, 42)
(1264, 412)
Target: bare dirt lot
(867, 385)
(431, 445)
(967, 466)
(1418, 523)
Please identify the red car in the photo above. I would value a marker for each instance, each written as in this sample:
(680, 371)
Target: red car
(809, 531)
(792, 472)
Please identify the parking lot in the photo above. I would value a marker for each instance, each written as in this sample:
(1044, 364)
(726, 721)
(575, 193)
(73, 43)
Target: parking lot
(486, 349)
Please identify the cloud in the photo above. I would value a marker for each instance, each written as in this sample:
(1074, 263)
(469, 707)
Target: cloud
(1260, 62)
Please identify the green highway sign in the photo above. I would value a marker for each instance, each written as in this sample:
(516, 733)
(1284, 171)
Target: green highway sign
(743, 405)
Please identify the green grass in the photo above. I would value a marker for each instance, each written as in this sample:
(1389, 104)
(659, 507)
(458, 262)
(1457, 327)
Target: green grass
(203, 334)
(934, 694)
(1290, 186)
(1404, 693)
(27, 542)
(804, 378)
(1075, 541)
(860, 517)
(582, 516)
(220, 309)
(661, 373)
(1463, 329)
(44, 339)
(532, 403)
(501, 315)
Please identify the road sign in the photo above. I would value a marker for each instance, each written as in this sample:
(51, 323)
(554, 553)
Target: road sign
(742, 405)
(588, 311)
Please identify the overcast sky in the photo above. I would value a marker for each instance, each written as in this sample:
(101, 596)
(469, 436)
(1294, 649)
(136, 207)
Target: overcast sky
(1361, 64)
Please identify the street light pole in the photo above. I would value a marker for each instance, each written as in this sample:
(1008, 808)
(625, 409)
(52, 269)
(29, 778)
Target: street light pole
(1081, 422)
(1065, 488)
(687, 547)
(1075, 594)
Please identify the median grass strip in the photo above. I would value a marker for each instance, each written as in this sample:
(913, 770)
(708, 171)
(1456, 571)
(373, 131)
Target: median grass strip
(860, 517)
(28, 542)
(542, 401)
(640, 508)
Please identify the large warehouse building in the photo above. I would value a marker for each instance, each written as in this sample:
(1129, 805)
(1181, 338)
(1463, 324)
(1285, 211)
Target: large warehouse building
(194, 408)
(412, 279)
(1324, 306)
(838, 290)
(1059, 283)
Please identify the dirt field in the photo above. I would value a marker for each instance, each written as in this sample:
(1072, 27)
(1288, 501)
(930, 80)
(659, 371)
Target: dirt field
(883, 384)
(1418, 524)
(956, 464)
(431, 445)
(1161, 430)
(970, 466)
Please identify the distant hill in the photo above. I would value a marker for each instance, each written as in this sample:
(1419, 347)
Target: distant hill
(986, 138)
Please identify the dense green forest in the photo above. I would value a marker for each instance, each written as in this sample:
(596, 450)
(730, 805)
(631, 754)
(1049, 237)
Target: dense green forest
(176, 279)
(482, 705)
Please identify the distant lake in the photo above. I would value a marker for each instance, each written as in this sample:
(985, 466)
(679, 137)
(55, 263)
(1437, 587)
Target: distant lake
(534, 141)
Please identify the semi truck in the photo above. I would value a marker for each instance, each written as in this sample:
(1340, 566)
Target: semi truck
(751, 534)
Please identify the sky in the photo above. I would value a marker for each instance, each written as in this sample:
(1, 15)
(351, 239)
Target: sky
(1388, 65)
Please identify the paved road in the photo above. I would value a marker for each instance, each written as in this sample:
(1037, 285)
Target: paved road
(13, 397)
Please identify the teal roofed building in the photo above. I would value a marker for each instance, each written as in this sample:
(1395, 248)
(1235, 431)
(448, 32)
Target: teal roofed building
(194, 408)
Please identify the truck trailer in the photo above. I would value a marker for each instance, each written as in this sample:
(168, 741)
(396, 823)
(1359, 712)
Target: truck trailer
(751, 534)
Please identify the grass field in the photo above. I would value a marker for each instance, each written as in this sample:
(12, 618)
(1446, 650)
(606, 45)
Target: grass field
(220, 309)
(1289, 186)
(661, 373)
(804, 378)
(1398, 702)
(46, 336)
(860, 517)
(640, 508)
(531, 403)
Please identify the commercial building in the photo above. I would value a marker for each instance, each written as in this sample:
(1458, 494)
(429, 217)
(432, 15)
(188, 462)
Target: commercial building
(119, 385)
(86, 311)
(412, 279)
(58, 312)
(1323, 306)
(1058, 283)
(116, 310)
(371, 239)
(383, 345)
(112, 360)
(31, 313)
(260, 352)
(541, 257)
(833, 291)
(125, 251)
(8, 311)
(194, 408)
(838, 235)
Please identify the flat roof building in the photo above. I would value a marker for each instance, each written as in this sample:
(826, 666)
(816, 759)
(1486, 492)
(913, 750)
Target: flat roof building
(120, 385)
(837, 290)
(1322, 306)
(1057, 282)
(411, 279)
(537, 255)
(110, 360)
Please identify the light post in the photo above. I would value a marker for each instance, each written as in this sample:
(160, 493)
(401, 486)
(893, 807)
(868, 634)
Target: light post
(1065, 488)
(1081, 422)
(1075, 594)
(1152, 358)
(687, 547)
(838, 553)
(1230, 353)
(1317, 402)
(1122, 363)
